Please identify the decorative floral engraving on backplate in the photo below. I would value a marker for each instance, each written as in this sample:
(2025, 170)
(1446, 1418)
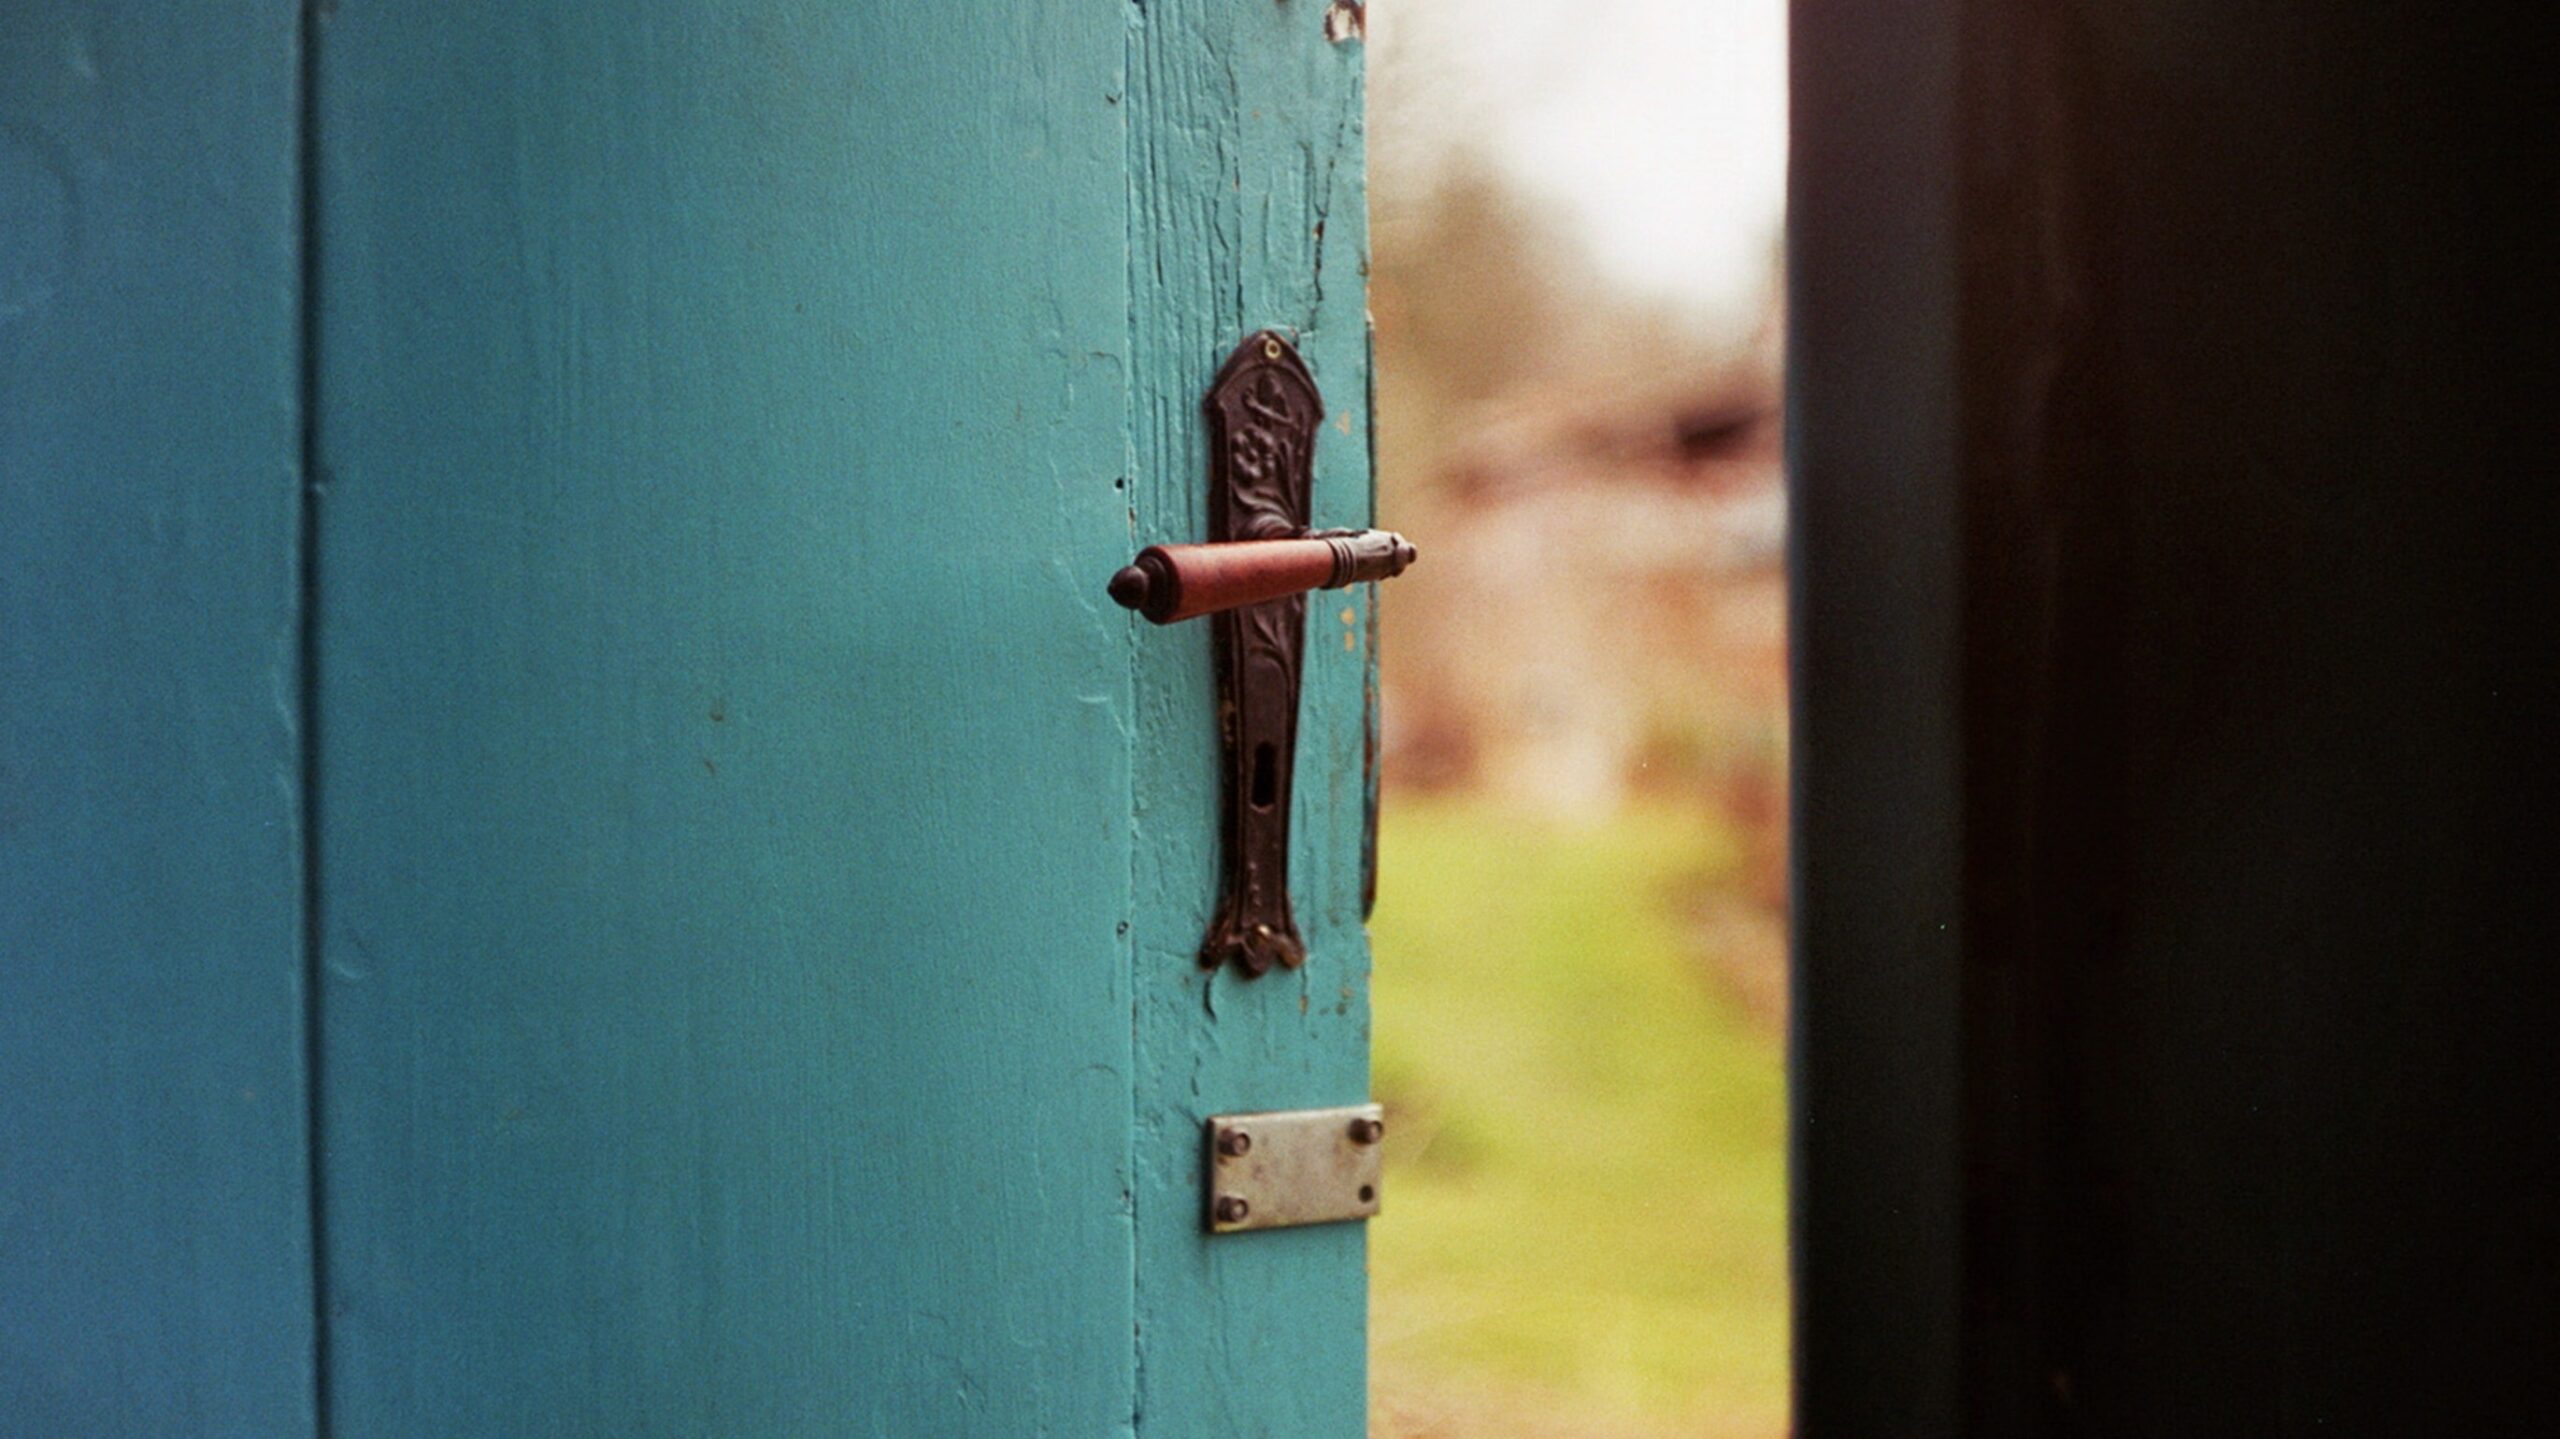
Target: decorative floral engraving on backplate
(1263, 412)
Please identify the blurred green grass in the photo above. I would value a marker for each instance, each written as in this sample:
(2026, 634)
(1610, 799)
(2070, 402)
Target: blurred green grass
(1585, 1223)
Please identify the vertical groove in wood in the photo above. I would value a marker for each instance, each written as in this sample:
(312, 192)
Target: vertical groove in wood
(307, 361)
(1246, 210)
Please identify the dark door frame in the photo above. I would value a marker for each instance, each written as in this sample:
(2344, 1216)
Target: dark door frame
(1874, 483)
(2170, 448)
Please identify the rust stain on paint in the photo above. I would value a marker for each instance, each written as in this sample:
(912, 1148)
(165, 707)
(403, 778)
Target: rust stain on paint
(1348, 20)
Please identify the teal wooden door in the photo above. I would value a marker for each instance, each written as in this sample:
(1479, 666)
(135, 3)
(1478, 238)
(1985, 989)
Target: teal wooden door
(746, 874)
(155, 1255)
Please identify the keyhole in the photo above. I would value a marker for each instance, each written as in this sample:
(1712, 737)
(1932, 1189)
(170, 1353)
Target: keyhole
(1266, 775)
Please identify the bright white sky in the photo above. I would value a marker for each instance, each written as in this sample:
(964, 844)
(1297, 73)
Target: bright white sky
(1656, 127)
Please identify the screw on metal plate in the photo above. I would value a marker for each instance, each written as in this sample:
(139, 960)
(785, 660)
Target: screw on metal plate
(1289, 1167)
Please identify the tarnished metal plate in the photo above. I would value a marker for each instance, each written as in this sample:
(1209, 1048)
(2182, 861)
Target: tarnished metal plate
(1293, 1166)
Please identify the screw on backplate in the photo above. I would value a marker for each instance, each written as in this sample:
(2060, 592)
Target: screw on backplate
(1232, 1209)
(1234, 1143)
(1366, 1130)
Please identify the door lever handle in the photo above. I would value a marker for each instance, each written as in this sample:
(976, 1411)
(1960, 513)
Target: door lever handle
(1169, 583)
(1263, 412)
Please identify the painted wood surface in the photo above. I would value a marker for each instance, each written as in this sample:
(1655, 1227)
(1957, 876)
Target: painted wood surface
(1247, 210)
(753, 873)
(154, 1215)
(726, 735)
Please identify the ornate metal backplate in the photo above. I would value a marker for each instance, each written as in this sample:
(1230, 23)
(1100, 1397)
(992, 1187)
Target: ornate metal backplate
(1263, 413)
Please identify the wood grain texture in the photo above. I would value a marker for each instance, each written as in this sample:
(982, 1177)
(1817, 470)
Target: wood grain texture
(727, 739)
(155, 1270)
(1247, 210)
(757, 873)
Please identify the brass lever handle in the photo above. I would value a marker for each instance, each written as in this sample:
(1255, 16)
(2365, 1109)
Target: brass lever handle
(1167, 583)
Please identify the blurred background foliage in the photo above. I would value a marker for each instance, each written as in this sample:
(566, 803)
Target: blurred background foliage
(1580, 936)
(1585, 1229)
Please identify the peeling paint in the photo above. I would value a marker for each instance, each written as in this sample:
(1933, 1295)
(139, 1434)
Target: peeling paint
(1348, 20)
(1244, 214)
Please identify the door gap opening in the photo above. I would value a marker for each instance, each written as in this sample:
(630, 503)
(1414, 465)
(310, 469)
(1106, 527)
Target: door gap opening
(1579, 943)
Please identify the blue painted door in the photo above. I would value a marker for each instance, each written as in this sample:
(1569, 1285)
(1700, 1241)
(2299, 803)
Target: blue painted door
(651, 893)
(155, 1252)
